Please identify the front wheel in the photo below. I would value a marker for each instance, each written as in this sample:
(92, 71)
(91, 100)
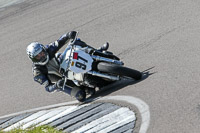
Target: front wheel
(119, 70)
(81, 96)
(78, 93)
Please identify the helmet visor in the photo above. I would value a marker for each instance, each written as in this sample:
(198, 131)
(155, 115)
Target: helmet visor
(41, 57)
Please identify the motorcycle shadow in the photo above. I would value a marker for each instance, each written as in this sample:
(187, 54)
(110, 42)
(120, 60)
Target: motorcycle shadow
(119, 85)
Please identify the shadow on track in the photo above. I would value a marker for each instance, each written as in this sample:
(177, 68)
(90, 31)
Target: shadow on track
(119, 85)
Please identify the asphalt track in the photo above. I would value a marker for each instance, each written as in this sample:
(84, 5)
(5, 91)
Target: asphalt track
(159, 37)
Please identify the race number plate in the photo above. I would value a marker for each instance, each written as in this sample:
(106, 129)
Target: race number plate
(81, 62)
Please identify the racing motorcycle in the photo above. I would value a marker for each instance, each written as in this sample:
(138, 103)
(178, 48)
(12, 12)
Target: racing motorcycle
(89, 68)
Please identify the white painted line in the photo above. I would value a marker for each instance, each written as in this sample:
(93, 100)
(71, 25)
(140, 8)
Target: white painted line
(112, 120)
(105, 121)
(28, 119)
(67, 111)
(44, 117)
(119, 124)
(40, 108)
(141, 105)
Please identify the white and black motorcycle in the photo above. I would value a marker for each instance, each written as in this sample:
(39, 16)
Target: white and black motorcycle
(91, 68)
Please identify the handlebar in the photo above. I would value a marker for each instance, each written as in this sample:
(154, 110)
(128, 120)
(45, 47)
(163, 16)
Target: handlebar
(73, 40)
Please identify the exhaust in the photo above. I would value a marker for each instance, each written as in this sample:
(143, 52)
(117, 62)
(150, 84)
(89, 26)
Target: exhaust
(98, 58)
(114, 78)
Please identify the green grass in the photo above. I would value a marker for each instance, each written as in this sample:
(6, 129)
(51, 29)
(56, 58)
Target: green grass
(40, 129)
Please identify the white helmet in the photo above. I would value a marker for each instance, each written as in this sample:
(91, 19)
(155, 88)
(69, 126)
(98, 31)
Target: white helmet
(37, 53)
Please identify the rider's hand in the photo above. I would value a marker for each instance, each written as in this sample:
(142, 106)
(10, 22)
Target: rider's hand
(72, 34)
(60, 83)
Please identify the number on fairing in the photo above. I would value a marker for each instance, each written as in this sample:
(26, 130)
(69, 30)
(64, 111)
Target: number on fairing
(79, 57)
(80, 65)
(82, 62)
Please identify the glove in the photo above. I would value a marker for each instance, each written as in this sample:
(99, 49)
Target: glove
(60, 83)
(72, 34)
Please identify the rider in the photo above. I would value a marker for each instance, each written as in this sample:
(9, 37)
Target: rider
(45, 66)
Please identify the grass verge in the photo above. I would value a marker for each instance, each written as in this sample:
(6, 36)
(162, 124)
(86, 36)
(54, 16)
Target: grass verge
(39, 129)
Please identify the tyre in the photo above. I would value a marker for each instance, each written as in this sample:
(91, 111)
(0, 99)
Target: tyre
(81, 96)
(119, 70)
(90, 91)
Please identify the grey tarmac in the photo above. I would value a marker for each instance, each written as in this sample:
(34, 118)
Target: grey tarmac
(158, 37)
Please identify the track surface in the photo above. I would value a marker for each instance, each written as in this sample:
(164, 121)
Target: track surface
(160, 36)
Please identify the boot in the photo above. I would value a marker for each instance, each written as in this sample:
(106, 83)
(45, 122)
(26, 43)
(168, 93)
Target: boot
(104, 47)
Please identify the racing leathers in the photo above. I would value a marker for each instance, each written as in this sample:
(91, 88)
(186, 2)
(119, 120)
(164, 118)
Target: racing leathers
(49, 75)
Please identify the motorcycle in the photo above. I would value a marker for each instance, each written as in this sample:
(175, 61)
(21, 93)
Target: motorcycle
(89, 68)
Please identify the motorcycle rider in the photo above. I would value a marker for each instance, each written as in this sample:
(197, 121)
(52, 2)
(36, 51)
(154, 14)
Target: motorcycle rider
(45, 65)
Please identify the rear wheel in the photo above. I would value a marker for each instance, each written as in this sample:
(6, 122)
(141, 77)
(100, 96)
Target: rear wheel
(119, 70)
